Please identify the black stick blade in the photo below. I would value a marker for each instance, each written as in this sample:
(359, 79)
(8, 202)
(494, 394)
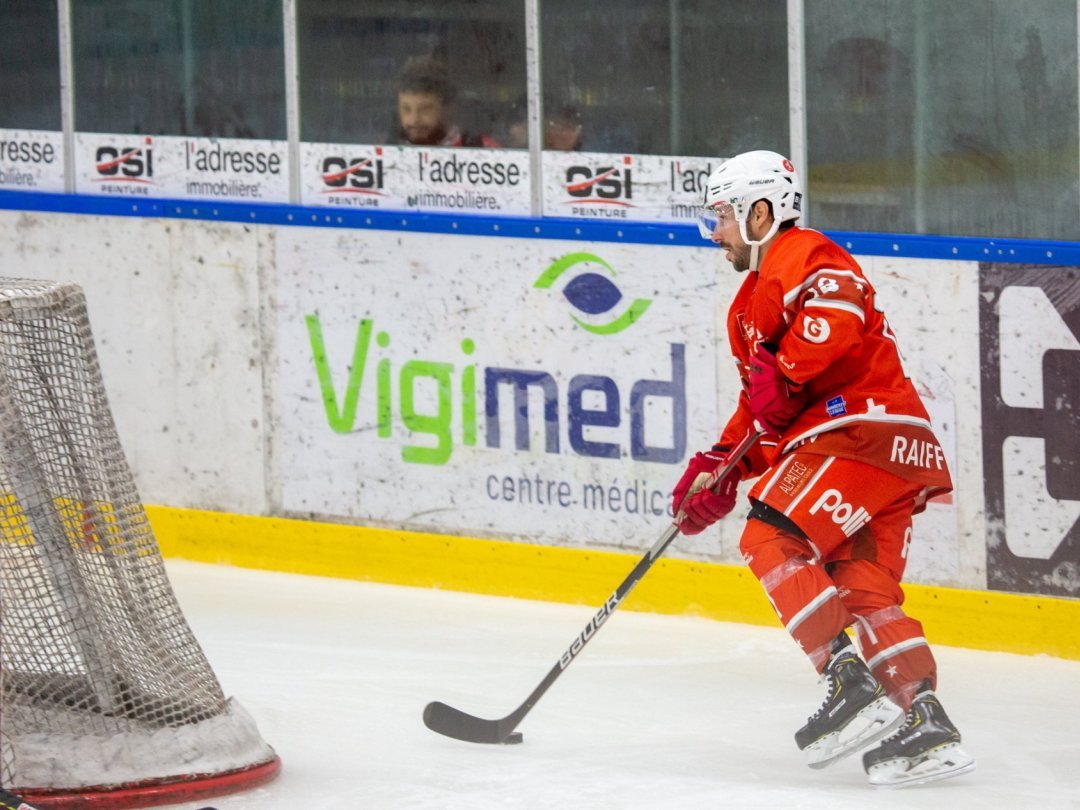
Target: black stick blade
(451, 722)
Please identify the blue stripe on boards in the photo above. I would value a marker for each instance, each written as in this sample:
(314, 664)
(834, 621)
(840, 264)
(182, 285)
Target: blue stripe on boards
(958, 248)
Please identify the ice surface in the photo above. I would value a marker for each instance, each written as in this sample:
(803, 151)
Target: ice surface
(657, 712)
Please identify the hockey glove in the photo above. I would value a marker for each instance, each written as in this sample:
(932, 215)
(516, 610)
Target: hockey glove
(703, 507)
(774, 401)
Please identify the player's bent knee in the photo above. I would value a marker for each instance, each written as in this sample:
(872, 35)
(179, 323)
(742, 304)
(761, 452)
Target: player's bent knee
(866, 587)
(765, 546)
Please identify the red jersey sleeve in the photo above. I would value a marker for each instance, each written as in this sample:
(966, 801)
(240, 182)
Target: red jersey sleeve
(827, 317)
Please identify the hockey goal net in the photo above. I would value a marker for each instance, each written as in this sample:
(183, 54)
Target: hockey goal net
(106, 697)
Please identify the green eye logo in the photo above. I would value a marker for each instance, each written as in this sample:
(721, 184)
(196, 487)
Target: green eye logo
(592, 294)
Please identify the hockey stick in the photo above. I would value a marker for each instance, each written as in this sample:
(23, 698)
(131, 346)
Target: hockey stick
(455, 723)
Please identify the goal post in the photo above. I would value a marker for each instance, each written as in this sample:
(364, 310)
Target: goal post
(106, 697)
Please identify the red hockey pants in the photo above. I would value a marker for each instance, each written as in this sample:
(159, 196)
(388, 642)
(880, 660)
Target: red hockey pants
(835, 558)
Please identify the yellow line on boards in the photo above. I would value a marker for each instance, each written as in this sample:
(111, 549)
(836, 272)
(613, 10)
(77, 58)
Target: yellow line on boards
(975, 619)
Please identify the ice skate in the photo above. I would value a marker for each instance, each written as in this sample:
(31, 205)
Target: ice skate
(856, 712)
(925, 749)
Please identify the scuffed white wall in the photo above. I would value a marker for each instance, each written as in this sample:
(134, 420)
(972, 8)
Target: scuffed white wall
(188, 319)
(174, 307)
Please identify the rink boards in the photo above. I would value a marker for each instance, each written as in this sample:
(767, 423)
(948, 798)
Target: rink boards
(522, 394)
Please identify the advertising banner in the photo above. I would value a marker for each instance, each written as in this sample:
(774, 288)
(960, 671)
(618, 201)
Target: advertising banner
(31, 160)
(529, 389)
(412, 178)
(1030, 336)
(184, 168)
(654, 188)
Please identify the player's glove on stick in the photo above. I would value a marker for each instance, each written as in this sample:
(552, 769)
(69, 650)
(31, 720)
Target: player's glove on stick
(703, 507)
(774, 400)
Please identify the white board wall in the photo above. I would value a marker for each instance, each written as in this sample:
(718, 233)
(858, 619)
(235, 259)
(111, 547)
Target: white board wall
(205, 332)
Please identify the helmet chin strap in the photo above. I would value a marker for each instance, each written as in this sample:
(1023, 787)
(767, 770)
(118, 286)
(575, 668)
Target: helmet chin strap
(755, 244)
(754, 249)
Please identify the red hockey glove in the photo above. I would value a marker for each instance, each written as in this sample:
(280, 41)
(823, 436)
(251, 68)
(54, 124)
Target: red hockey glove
(703, 507)
(708, 506)
(774, 401)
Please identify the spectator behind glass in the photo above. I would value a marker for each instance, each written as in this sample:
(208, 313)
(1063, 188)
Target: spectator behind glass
(562, 127)
(425, 104)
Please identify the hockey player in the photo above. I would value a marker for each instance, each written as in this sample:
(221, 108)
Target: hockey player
(848, 456)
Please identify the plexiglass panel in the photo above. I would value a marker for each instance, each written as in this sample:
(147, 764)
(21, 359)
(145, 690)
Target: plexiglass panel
(427, 72)
(180, 67)
(29, 65)
(668, 77)
(944, 118)
(922, 117)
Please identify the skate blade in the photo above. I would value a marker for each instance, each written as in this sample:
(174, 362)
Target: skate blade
(940, 763)
(875, 721)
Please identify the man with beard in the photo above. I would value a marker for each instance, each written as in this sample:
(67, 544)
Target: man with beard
(425, 107)
(847, 456)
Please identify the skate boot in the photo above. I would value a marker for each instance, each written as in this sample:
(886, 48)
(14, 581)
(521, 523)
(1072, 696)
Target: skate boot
(856, 711)
(925, 749)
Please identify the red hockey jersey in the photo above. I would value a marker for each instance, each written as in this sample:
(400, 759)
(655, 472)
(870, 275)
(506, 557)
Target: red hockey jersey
(810, 301)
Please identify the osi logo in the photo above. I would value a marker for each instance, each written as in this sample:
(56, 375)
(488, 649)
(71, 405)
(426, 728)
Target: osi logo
(355, 182)
(600, 191)
(125, 163)
(607, 183)
(362, 175)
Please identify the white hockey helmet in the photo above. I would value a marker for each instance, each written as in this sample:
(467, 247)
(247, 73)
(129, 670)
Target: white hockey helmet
(743, 180)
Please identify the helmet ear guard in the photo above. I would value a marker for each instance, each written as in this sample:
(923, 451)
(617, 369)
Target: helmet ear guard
(743, 180)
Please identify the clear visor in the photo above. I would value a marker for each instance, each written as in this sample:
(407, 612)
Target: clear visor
(711, 217)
